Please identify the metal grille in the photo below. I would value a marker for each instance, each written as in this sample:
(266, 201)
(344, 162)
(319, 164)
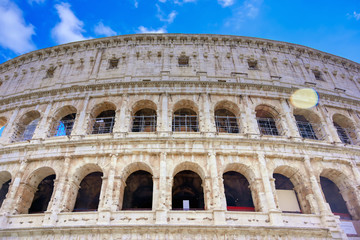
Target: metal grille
(103, 125)
(226, 124)
(344, 134)
(306, 130)
(185, 123)
(64, 128)
(267, 126)
(29, 130)
(144, 123)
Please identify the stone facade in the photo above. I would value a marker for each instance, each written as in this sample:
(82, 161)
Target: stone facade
(248, 77)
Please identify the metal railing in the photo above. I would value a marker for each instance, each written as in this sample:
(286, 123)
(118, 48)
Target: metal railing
(144, 123)
(310, 130)
(64, 128)
(267, 126)
(102, 125)
(345, 134)
(185, 123)
(226, 124)
(29, 131)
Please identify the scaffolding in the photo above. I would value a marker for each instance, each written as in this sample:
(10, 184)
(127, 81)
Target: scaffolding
(309, 130)
(226, 124)
(185, 123)
(344, 134)
(144, 123)
(102, 125)
(64, 128)
(267, 126)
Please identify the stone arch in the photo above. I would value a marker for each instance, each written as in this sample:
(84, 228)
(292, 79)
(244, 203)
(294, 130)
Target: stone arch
(126, 173)
(5, 180)
(25, 127)
(37, 191)
(3, 122)
(347, 191)
(345, 128)
(249, 174)
(227, 117)
(87, 188)
(186, 104)
(309, 124)
(191, 166)
(144, 116)
(102, 118)
(63, 121)
(300, 186)
(269, 120)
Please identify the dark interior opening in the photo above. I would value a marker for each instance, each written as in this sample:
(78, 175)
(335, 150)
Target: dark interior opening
(185, 120)
(144, 120)
(187, 186)
(4, 190)
(43, 195)
(237, 192)
(138, 193)
(89, 193)
(104, 122)
(226, 121)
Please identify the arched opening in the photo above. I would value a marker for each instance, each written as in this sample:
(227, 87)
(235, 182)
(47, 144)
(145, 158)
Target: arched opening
(104, 122)
(334, 198)
(185, 120)
(226, 121)
(308, 124)
(267, 119)
(237, 192)
(144, 120)
(138, 193)
(26, 126)
(286, 195)
(65, 125)
(5, 179)
(43, 195)
(3, 122)
(345, 129)
(88, 196)
(187, 191)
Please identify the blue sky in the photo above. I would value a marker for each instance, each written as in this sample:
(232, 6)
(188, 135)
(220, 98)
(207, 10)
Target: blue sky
(330, 26)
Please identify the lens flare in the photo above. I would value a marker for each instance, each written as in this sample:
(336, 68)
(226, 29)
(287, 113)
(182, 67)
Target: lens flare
(304, 98)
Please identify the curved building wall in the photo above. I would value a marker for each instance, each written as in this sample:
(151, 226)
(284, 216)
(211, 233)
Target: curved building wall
(139, 123)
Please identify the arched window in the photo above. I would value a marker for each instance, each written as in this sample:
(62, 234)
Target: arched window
(187, 191)
(138, 192)
(334, 198)
(43, 195)
(5, 179)
(88, 196)
(144, 120)
(266, 120)
(185, 120)
(308, 124)
(306, 129)
(104, 122)
(345, 129)
(237, 192)
(226, 121)
(65, 125)
(26, 126)
(287, 197)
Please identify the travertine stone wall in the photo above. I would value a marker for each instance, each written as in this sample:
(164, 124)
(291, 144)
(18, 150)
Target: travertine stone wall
(78, 78)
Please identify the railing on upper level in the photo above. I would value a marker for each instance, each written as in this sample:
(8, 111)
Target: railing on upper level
(185, 123)
(102, 125)
(144, 123)
(64, 128)
(310, 130)
(226, 124)
(345, 134)
(267, 126)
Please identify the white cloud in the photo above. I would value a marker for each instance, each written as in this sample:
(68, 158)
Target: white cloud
(101, 29)
(226, 3)
(15, 33)
(36, 1)
(136, 3)
(356, 15)
(143, 29)
(70, 28)
(169, 18)
(183, 1)
(248, 10)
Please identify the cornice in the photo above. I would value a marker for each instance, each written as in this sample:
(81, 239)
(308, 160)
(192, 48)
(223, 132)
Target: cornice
(180, 39)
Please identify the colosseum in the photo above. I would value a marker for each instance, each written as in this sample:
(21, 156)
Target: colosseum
(179, 136)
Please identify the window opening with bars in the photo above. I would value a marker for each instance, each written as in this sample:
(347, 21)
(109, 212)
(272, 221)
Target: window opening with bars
(306, 129)
(65, 125)
(344, 134)
(144, 121)
(226, 121)
(104, 122)
(185, 120)
(267, 126)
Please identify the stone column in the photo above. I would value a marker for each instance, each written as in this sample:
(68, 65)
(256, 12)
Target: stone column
(123, 118)
(274, 212)
(288, 116)
(43, 126)
(81, 120)
(328, 126)
(160, 207)
(163, 120)
(10, 127)
(208, 123)
(250, 124)
(217, 196)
